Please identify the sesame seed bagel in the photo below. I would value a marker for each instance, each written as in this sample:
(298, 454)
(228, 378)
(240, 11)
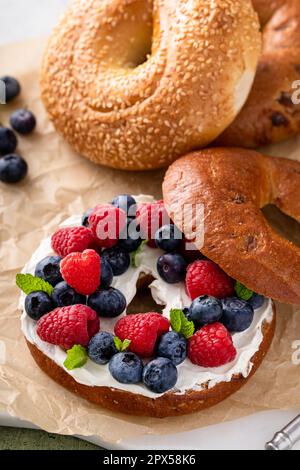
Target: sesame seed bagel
(134, 84)
(169, 404)
(270, 114)
(233, 185)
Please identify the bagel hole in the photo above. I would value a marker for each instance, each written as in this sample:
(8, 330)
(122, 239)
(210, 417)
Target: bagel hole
(142, 44)
(284, 225)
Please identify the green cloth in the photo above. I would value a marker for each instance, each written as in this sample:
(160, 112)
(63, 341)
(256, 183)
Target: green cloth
(27, 439)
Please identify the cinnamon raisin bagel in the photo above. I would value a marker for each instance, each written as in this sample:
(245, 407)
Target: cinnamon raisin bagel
(233, 185)
(133, 84)
(271, 115)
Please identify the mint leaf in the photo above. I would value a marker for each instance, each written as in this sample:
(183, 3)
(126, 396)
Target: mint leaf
(28, 283)
(134, 262)
(126, 344)
(181, 324)
(175, 319)
(242, 291)
(76, 357)
(121, 345)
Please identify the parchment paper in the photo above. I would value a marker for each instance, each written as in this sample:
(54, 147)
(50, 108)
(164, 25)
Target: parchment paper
(60, 184)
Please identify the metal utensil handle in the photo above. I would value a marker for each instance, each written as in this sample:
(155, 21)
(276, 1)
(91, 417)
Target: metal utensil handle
(287, 438)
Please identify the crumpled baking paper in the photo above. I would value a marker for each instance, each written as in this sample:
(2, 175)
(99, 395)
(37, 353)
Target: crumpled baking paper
(61, 183)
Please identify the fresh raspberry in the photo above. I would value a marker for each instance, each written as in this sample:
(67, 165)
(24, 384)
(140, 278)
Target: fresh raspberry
(206, 278)
(71, 239)
(150, 217)
(68, 326)
(106, 223)
(211, 346)
(82, 271)
(142, 329)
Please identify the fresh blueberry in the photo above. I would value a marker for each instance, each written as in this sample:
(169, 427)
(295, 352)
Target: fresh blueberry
(172, 268)
(37, 304)
(127, 203)
(205, 309)
(108, 303)
(8, 141)
(237, 314)
(102, 348)
(107, 274)
(172, 346)
(256, 301)
(12, 88)
(160, 375)
(85, 217)
(13, 169)
(168, 238)
(118, 258)
(23, 121)
(63, 295)
(130, 239)
(49, 270)
(126, 368)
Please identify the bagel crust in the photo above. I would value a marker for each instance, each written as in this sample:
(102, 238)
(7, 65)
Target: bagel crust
(169, 404)
(134, 84)
(271, 115)
(233, 185)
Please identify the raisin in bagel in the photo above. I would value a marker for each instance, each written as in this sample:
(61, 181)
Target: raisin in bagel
(270, 115)
(233, 185)
(133, 84)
